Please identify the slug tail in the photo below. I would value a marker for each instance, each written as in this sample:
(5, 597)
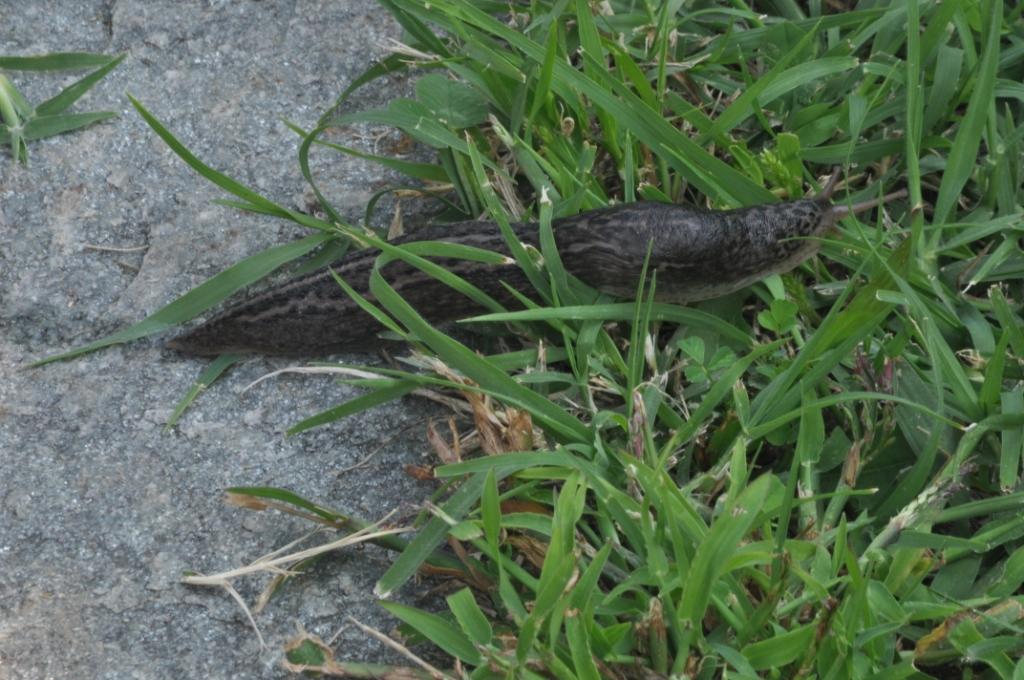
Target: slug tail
(314, 316)
(190, 344)
(314, 337)
(318, 320)
(227, 336)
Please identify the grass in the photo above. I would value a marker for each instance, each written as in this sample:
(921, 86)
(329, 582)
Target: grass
(20, 122)
(819, 476)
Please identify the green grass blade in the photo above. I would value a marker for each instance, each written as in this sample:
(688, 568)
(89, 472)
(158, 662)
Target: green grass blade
(470, 617)
(206, 378)
(425, 38)
(57, 61)
(428, 172)
(429, 537)
(353, 406)
(72, 93)
(1011, 449)
(781, 650)
(202, 297)
(625, 107)
(624, 311)
(964, 154)
(780, 78)
(48, 126)
(393, 63)
(713, 552)
(13, 106)
(218, 178)
(289, 498)
(415, 120)
(438, 631)
(483, 373)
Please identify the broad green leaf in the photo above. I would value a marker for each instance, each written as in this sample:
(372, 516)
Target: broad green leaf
(781, 650)
(471, 619)
(456, 104)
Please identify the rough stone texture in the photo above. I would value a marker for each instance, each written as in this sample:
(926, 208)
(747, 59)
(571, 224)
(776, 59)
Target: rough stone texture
(101, 510)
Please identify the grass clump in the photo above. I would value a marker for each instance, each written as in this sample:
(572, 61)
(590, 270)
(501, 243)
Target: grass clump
(20, 122)
(819, 476)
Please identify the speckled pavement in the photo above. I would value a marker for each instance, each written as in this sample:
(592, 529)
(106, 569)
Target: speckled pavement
(101, 510)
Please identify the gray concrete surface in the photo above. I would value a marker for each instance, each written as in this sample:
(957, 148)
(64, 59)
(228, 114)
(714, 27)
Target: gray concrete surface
(100, 510)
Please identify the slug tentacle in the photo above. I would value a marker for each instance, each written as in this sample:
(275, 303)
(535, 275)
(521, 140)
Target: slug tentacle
(841, 211)
(830, 186)
(698, 254)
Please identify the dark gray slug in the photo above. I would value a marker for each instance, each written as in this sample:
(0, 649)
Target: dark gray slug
(698, 255)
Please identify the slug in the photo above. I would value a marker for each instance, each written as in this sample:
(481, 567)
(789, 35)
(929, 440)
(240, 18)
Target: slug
(698, 255)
